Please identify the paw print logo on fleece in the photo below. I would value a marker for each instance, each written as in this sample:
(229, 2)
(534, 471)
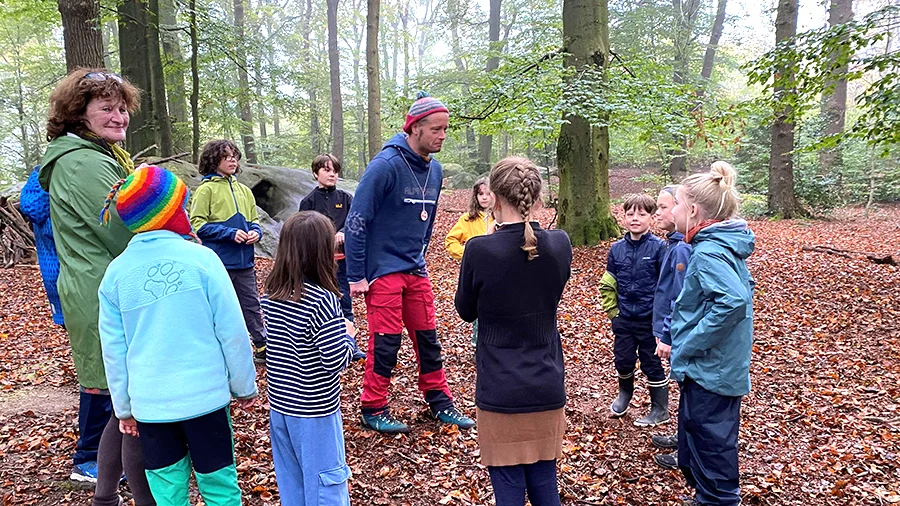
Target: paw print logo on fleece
(163, 279)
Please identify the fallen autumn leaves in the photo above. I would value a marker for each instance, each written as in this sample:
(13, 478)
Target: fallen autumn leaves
(821, 425)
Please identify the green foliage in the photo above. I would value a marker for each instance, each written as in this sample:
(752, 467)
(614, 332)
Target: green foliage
(811, 59)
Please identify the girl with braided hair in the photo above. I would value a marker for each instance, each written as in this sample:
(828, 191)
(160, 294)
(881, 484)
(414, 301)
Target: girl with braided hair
(512, 281)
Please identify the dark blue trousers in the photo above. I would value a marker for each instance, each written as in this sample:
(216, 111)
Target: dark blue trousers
(94, 411)
(708, 444)
(344, 286)
(634, 338)
(538, 480)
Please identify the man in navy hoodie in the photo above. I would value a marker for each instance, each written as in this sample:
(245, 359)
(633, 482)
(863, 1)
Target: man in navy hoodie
(386, 236)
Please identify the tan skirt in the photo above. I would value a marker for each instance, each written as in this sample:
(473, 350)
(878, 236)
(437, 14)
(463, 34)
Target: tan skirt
(522, 438)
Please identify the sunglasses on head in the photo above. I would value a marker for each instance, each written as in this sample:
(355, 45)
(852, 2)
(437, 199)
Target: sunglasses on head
(102, 76)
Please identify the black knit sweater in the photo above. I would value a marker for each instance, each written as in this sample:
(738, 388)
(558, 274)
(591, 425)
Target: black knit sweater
(519, 356)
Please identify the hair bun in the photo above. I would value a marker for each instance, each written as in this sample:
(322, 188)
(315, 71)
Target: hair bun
(724, 173)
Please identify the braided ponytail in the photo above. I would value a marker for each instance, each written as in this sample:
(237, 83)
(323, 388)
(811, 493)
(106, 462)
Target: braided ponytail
(518, 181)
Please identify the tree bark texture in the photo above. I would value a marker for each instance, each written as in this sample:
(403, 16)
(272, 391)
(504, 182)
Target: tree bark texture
(834, 104)
(174, 67)
(485, 142)
(334, 64)
(162, 123)
(454, 15)
(195, 84)
(781, 198)
(582, 149)
(686, 12)
(373, 76)
(82, 37)
(315, 129)
(244, 87)
(709, 58)
(133, 56)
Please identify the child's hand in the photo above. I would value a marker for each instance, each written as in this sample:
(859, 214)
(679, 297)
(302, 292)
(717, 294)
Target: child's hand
(252, 237)
(359, 288)
(339, 239)
(128, 426)
(351, 329)
(240, 237)
(246, 404)
(663, 350)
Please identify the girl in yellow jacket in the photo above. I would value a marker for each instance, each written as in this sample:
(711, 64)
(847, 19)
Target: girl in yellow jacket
(473, 223)
(478, 221)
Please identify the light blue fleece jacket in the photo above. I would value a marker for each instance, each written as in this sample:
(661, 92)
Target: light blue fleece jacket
(174, 341)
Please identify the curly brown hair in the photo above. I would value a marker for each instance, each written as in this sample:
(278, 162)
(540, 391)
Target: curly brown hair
(70, 99)
(213, 154)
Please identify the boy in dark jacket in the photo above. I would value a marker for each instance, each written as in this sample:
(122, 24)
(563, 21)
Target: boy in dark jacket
(334, 203)
(634, 262)
(671, 280)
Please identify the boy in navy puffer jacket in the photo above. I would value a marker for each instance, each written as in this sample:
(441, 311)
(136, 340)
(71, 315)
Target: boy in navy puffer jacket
(634, 262)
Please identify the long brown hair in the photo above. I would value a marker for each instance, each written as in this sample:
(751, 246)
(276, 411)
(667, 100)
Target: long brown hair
(518, 181)
(474, 208)
(305, 254)
(70, 99)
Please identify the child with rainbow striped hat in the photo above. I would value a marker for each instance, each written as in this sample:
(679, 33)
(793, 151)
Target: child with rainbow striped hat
(175, 346)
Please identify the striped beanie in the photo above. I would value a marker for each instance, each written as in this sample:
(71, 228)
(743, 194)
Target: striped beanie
(151, 198)
(424, 105)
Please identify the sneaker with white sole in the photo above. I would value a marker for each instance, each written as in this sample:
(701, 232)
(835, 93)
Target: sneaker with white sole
(85, 472)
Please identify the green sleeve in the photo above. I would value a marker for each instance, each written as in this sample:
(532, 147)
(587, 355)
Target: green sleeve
(95, 176)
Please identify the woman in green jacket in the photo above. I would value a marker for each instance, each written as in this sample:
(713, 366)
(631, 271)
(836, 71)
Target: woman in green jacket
(89, 114)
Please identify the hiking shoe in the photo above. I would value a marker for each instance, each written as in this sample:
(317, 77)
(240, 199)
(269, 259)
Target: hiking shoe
(667, 461)
(665, 442)
(85, 472)
(259, 355)
(385, 423)
(690, 502)
(452, 416)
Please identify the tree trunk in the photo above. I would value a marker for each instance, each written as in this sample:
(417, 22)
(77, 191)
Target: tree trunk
(359, 33)
(454, 15)
(709, 58)
(158, 83)
(244, 87)
(686, 12)
(583, 150)
(834, 104)
(485, 142)
(404, 18)
(134, 58)
(781, 198)
(195, 85)
(374, 78)
(315, 130)
(174, 66)
(334, 64)
(82, 37)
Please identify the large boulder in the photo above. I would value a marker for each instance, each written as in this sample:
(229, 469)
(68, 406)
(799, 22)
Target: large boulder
(278, 192)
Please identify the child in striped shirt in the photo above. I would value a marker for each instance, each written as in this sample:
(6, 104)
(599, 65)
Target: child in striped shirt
(308, 347)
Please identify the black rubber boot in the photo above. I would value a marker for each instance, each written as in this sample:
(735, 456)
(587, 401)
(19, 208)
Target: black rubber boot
(659, 408)
(626, 391)
(666, 442)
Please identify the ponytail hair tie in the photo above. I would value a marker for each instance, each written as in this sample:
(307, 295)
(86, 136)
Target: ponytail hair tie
(104, 213)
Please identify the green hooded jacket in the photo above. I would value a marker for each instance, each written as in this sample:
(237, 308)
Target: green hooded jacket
(79, 174)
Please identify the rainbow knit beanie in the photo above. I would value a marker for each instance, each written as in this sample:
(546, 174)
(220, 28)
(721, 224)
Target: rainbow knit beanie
(151, 198)
(424, 105)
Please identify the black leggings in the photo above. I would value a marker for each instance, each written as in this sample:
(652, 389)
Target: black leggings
(538, 480)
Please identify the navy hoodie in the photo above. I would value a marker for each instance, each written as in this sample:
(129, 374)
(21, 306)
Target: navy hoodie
(384, 232)
(671, 279)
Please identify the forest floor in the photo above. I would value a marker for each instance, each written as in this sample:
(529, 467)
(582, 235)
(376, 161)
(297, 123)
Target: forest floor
(821, 425)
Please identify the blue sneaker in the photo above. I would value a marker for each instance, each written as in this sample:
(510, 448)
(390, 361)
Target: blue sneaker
(452, 416)
(85, 472)
(385, 423)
